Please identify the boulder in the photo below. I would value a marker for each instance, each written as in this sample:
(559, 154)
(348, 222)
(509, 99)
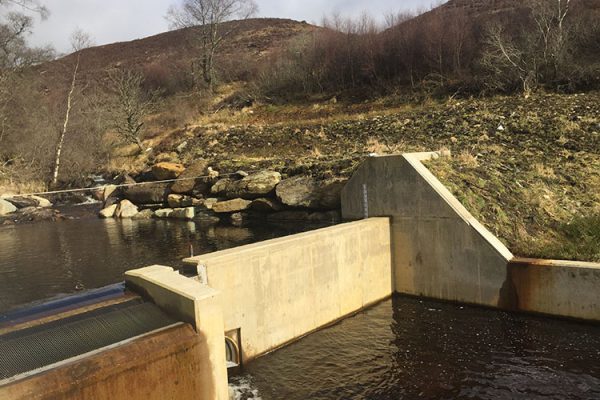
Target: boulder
(126, 209)
(144, 214)
(109, 211)
(331, 195)
(305, 192)
(300, 191)
(6, 208)
(250, 187)
(167, 170)
(179, 201)
(198, 169)
(183, 213)
(149, 193)
(266, 205)
(163, 213)
(28, 201)
(231, 206)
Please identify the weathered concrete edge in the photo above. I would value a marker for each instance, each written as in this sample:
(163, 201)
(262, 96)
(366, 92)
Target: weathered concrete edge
(197, 260)
(196, 304)
(416, 161)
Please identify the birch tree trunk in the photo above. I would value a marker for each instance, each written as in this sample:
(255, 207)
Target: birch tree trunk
(63, 134)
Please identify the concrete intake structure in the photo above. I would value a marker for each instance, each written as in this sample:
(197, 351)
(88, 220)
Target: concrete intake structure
(439, 250)
(282, 289)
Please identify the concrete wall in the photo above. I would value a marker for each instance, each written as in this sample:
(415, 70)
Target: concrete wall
(282, 289)
(440, 250)
(200, 306)
(568, 288)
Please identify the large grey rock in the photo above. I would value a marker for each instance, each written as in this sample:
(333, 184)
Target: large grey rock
(28, 201)
(250, 187)
(126, 209)
(231, 206)
(183, 213)
(109, 211)
(6, 207)
(187, 184)
(306, 192)
(150, 193)
(300, 191)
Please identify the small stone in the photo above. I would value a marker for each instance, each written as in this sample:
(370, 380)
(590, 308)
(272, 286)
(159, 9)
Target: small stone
(210, 202)
(266, 205)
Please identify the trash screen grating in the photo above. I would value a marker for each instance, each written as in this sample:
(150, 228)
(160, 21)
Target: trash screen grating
(40, 346)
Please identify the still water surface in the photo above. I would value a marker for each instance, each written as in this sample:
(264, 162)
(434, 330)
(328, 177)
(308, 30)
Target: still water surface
(49, 259)
(408, 349)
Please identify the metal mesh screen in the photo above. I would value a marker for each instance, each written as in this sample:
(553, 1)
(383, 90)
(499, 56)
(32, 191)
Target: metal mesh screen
(43, 345)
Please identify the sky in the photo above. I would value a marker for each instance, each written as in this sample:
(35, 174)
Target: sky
(109, 21)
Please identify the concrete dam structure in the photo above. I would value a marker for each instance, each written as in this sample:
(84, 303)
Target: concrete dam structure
(167, 336)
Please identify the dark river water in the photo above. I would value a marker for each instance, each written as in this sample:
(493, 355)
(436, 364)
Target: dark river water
(49, 259)
(409, 349)
(403, 348)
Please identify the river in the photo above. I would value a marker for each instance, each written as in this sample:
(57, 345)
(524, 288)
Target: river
(49, 259)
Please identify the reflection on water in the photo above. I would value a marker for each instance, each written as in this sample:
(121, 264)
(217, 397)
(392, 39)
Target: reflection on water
(42, 260)
(410, 349)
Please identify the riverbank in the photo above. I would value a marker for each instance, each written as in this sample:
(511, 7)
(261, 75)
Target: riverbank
(527, 168)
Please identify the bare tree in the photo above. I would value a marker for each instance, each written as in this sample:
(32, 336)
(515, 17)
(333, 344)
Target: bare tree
(131, 105)
(79, 41)
(207, 17)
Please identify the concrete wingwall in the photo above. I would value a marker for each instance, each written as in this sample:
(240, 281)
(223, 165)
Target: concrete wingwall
(439, 250)
(282, 289)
